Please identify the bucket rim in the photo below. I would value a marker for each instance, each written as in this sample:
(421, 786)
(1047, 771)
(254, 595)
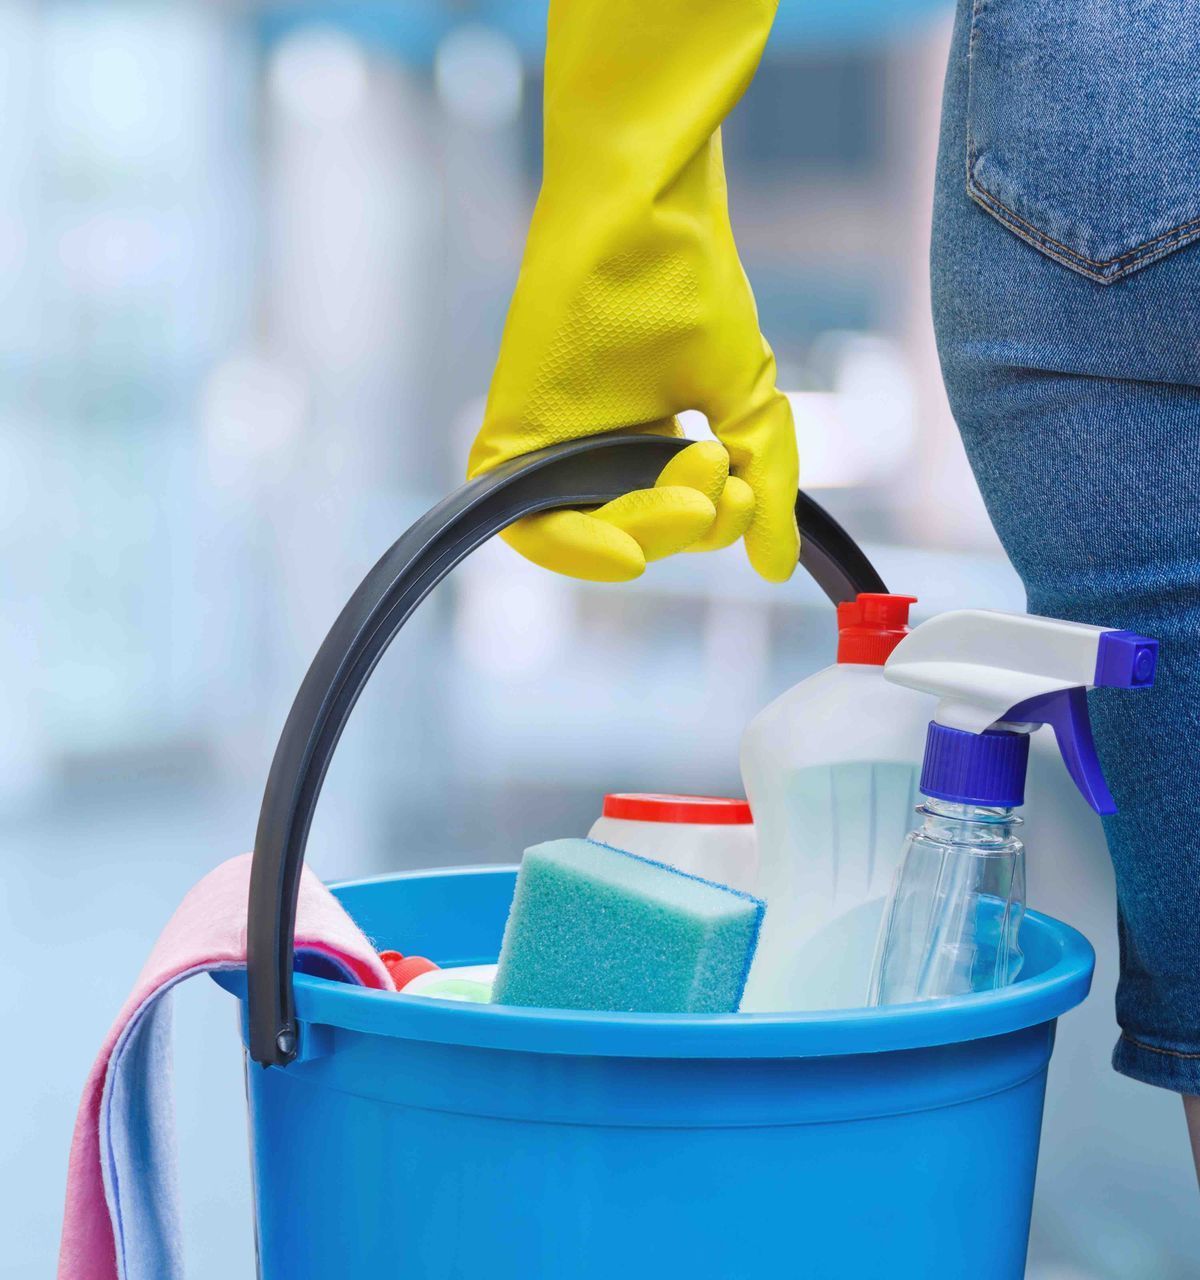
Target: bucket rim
(827, 1033)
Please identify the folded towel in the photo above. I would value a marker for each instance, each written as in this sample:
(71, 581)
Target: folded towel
(122, 1213)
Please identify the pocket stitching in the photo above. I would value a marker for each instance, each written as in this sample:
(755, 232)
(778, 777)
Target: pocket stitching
(984, 196)
(1144, 253)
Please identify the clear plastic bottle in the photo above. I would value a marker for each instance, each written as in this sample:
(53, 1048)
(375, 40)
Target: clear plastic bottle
(951, 924)
(955, 915)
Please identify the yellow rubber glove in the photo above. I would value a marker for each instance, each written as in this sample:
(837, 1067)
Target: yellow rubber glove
(632, 304)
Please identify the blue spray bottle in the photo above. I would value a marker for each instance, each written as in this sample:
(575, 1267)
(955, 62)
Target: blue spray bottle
(951, 924)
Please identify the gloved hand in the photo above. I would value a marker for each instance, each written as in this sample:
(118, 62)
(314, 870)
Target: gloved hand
(632, 305)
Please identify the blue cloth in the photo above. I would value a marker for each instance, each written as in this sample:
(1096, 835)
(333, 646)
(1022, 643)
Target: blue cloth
(137, 1130)
(1067, 308)
(137, 1142)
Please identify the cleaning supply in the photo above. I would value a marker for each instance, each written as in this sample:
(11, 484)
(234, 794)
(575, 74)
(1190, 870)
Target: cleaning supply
(830, 769)
(563, 1145)
(593, 927)
(707, 836)
(470, 983)
(953, 920)
(631, 304)
(122, 1217)
(560, 1142)
(404, 969)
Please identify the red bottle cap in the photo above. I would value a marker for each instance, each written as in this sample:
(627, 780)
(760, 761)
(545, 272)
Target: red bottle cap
(405, 968)
(871, 626)
(712, 811)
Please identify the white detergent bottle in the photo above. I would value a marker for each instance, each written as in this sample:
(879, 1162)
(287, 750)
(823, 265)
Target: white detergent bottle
(707, 836)
(953, 919)
(830, 771)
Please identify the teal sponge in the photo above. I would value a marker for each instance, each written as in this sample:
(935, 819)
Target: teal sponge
(592, 927)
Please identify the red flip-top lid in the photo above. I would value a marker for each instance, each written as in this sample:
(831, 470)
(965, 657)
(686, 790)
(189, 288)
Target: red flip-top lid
(707, 810)
(871, 626)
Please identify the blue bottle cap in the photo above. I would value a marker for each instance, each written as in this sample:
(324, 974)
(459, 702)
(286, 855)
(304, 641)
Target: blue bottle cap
(975, 768)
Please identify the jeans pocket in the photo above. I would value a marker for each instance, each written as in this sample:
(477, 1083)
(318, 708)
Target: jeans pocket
(1083, 127)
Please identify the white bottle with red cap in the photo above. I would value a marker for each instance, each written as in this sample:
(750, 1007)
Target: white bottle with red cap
(706, 836)
(830, 770)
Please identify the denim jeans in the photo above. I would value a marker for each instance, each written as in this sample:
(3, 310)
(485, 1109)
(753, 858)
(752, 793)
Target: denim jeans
(1067, 308)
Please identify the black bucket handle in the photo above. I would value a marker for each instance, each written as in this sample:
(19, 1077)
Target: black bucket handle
(584, 472)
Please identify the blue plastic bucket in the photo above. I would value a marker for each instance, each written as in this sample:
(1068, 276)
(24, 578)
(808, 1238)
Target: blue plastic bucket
(396, 1136)
(437, 1141)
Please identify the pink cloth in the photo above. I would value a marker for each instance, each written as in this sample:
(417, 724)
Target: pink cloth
(100, 1238)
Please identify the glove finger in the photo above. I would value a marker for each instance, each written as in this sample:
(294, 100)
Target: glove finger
(735, 510)
(773, 540)
(762, 445)
(662, 521)
(577, 544)
(703, 466)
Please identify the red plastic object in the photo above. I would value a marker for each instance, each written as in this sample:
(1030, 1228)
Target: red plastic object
(709, 810)
(871, 626)
(405, 968)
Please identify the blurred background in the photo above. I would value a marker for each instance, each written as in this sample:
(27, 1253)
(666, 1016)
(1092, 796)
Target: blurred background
(255, 263)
